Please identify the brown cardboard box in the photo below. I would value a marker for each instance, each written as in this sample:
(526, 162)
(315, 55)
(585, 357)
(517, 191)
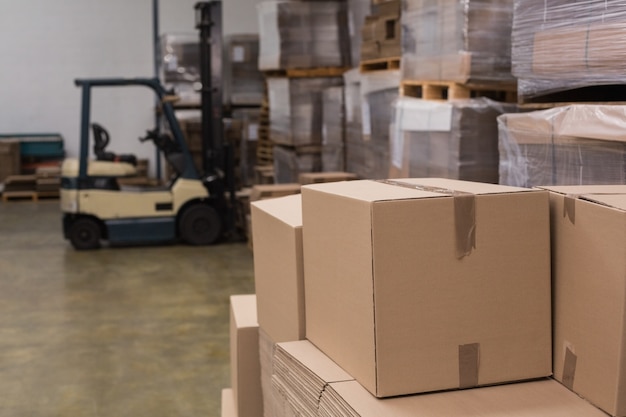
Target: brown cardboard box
(10, 163)
(410, 289)
(228, 403)
(278, 267)
(546, 398)
(318, 177)
(589, 275)
(263, 191)
(245, 367)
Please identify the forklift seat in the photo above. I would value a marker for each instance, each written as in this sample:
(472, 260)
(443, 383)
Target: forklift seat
(101, 141)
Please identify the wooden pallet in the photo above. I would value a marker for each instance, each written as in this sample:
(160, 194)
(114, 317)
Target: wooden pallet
(382, 64)
(308, 72)
(447, 90)
(264, 150)
(33, 196)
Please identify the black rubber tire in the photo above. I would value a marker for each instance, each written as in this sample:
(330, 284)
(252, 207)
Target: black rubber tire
(85, 234)
(200, 224)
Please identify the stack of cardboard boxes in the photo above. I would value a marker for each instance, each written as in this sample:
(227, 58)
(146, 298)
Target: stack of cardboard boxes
(418, 286)
(381, 34)
(579, 143)
(304, 48)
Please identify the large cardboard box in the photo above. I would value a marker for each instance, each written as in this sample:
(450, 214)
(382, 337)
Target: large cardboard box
(278, 267)
(420, 285)
(589, 275)
(10, 161)
(245, 367)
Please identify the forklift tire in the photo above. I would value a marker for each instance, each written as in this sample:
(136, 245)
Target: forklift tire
(85, 234)
(200, 224)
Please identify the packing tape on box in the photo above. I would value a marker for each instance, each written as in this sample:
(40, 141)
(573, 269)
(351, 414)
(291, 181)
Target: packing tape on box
(569, 368)
(469, 362)
(464, 214)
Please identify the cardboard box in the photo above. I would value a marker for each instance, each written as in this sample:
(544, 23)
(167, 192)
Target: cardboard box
(245, 367)
(10, 158)
(420, 285)
(228, 403)
(589, 275)
(263, 191)
(546, 398)
(319, 177)
(278, 267)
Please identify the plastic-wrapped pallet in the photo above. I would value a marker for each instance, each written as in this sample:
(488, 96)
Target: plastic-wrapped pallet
(333, 129)
(570, 145)
(290, 162)
(456, 140)
(562, 45)
(249, 124)
(357, 10)
(243, 82)
(303, 35)
(296, 109)
(457, 40)
(368, 153)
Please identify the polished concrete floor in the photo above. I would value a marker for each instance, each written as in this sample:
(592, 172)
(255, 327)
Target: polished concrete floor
(139, 331)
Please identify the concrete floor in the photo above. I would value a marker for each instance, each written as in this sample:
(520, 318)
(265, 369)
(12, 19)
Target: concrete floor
(117, 332)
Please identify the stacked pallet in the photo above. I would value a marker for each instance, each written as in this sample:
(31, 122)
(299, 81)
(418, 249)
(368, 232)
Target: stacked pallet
(575, 135)
(45, 183)
(304, 48)
(456, 80)
(381, 37)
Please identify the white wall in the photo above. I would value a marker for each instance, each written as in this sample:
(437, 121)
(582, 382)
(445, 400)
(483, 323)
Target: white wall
(46, 44)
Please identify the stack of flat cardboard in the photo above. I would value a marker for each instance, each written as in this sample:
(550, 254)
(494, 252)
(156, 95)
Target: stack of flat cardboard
(301, 373)
(333, 129)
(296, 124)
(591, 32)
(571, 145)
(243, 82)
(545, 398)
(460, 40)
(381, 33)
(369, 99)
(9, 158)
(457, 139)
(298, 34)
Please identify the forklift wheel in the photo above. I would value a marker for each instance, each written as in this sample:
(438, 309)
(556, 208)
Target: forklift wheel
(85, 234)
(200, 225)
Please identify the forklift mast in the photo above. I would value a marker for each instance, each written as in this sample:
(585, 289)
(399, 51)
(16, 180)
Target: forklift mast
(209, 23)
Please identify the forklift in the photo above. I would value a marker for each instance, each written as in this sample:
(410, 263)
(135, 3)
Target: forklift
(193, 207)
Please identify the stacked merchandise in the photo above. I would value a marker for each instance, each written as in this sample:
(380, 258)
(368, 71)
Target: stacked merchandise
(333, 129)
(243, 82)
(296, 124)
(379, 332)
(9, 158)
(590, 32)
(459, 41)
(245, 143)
(303, 35)
(456, 139)
(381, 34)
(570, 145)
(301, 373)
(369, 103)
(180, 65)
(357, 10)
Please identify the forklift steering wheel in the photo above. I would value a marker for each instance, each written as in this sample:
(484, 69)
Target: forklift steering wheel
(150, 135)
